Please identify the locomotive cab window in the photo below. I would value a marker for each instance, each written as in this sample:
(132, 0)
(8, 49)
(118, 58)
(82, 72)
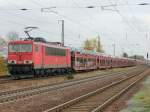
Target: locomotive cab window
(20, 47)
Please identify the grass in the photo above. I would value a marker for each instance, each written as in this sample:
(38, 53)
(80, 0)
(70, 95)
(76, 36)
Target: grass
(141, 100)
(3, 67)
(70, 76)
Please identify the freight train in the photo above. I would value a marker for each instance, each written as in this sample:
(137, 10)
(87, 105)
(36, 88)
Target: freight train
(36, 57)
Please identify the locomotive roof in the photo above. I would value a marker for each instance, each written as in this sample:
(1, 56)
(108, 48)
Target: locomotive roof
(20, 41)
(50, 44)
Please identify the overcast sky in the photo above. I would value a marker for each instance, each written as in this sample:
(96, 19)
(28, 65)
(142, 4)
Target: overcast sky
(127, 24)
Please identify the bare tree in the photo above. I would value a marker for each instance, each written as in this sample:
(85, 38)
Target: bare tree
(13, 35)
(2, 42)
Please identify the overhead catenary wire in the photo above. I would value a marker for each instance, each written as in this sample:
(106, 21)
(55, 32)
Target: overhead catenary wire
(73, 21)
(7, 12)
(134, 27)
(90, 17)
(69, 19)
(77, 22)
(35, 2)
(123, 18)
(9, 20)
(134, 18)
(20, 18)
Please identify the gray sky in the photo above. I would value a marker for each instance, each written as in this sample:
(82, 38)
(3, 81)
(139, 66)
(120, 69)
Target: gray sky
(81, 23)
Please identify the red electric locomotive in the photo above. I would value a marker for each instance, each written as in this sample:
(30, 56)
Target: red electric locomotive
(37, 57)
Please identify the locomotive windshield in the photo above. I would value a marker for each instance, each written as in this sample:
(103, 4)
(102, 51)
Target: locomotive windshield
(20, 48)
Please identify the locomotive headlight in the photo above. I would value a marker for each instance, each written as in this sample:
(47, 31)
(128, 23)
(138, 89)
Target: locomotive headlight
(12, 61)
(27, 61)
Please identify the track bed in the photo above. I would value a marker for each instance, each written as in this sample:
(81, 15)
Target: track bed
(59, 94)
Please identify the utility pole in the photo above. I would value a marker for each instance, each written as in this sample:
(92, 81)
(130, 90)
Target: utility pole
(114, 46)
(147, 55)
(126, 36)
(98, 49)
(62, 32)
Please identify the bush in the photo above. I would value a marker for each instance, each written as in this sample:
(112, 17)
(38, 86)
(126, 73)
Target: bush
(3, 66)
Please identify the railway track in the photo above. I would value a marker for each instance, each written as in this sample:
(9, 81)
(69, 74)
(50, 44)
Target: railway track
(98, 100)
(13, 95)
(9, 79)
(5, 79)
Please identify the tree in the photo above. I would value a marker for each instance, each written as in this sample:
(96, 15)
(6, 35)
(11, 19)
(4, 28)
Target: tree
(2, 42)
(88, 45)
(125, 55)
(13, 35)
(3, 66)
(93, 44)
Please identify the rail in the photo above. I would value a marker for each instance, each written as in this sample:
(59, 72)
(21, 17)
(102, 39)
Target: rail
(99, 108)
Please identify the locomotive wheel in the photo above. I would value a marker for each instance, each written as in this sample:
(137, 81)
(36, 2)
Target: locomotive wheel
(49, 71)
(42, 73)
(62, 71)
(37, 73)
(34, 74)
(46, 73)
(59, 71)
